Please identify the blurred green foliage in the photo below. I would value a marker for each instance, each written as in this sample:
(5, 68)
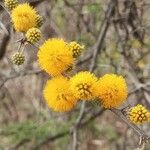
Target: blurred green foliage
(32, 131)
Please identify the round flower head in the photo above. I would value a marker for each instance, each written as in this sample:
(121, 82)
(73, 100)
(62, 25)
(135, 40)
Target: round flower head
(58, 95)
(33, 35)
(139, 114)
(23, 17)
(10, 4)
(76, 48)
(55, 57)
(83, 85)
(39, 21)
(18, 58)
(112, 90)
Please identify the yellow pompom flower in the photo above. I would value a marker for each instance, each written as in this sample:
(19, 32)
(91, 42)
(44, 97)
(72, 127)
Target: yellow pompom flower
(112, 90)
(23, 17)
(83, 85)
(76, 48)
(10, 4)
(58, 95)
(33, 35)
(139, 114)
(55, 57)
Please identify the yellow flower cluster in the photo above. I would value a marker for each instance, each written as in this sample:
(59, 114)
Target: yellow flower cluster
(56, 57)
(139, 114)
(85, 86)
(24, 19)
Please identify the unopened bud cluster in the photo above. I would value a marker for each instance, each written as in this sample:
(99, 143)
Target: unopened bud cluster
(33, 35)
(18, 58)
(39, 21)
(76, 49)
(10, 4)
(139, 114)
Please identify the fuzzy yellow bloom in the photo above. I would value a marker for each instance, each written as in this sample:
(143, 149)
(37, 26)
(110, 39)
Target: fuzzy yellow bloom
(23, 17)
(55, 57)
(112, 90)
(139, 114)
(33, 35)
(76, 48)
(58, 95)
(83, 85)
(10, 4)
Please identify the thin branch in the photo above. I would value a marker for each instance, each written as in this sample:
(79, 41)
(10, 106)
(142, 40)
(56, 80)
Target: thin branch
(143, 137)
(19, 75)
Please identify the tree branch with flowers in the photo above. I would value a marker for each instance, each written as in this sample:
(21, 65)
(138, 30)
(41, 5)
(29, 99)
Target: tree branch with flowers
(65, 87)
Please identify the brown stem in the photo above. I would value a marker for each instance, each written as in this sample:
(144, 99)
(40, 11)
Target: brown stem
(143, 137)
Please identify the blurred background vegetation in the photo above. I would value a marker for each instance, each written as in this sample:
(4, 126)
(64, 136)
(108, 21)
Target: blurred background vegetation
(25, 121)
